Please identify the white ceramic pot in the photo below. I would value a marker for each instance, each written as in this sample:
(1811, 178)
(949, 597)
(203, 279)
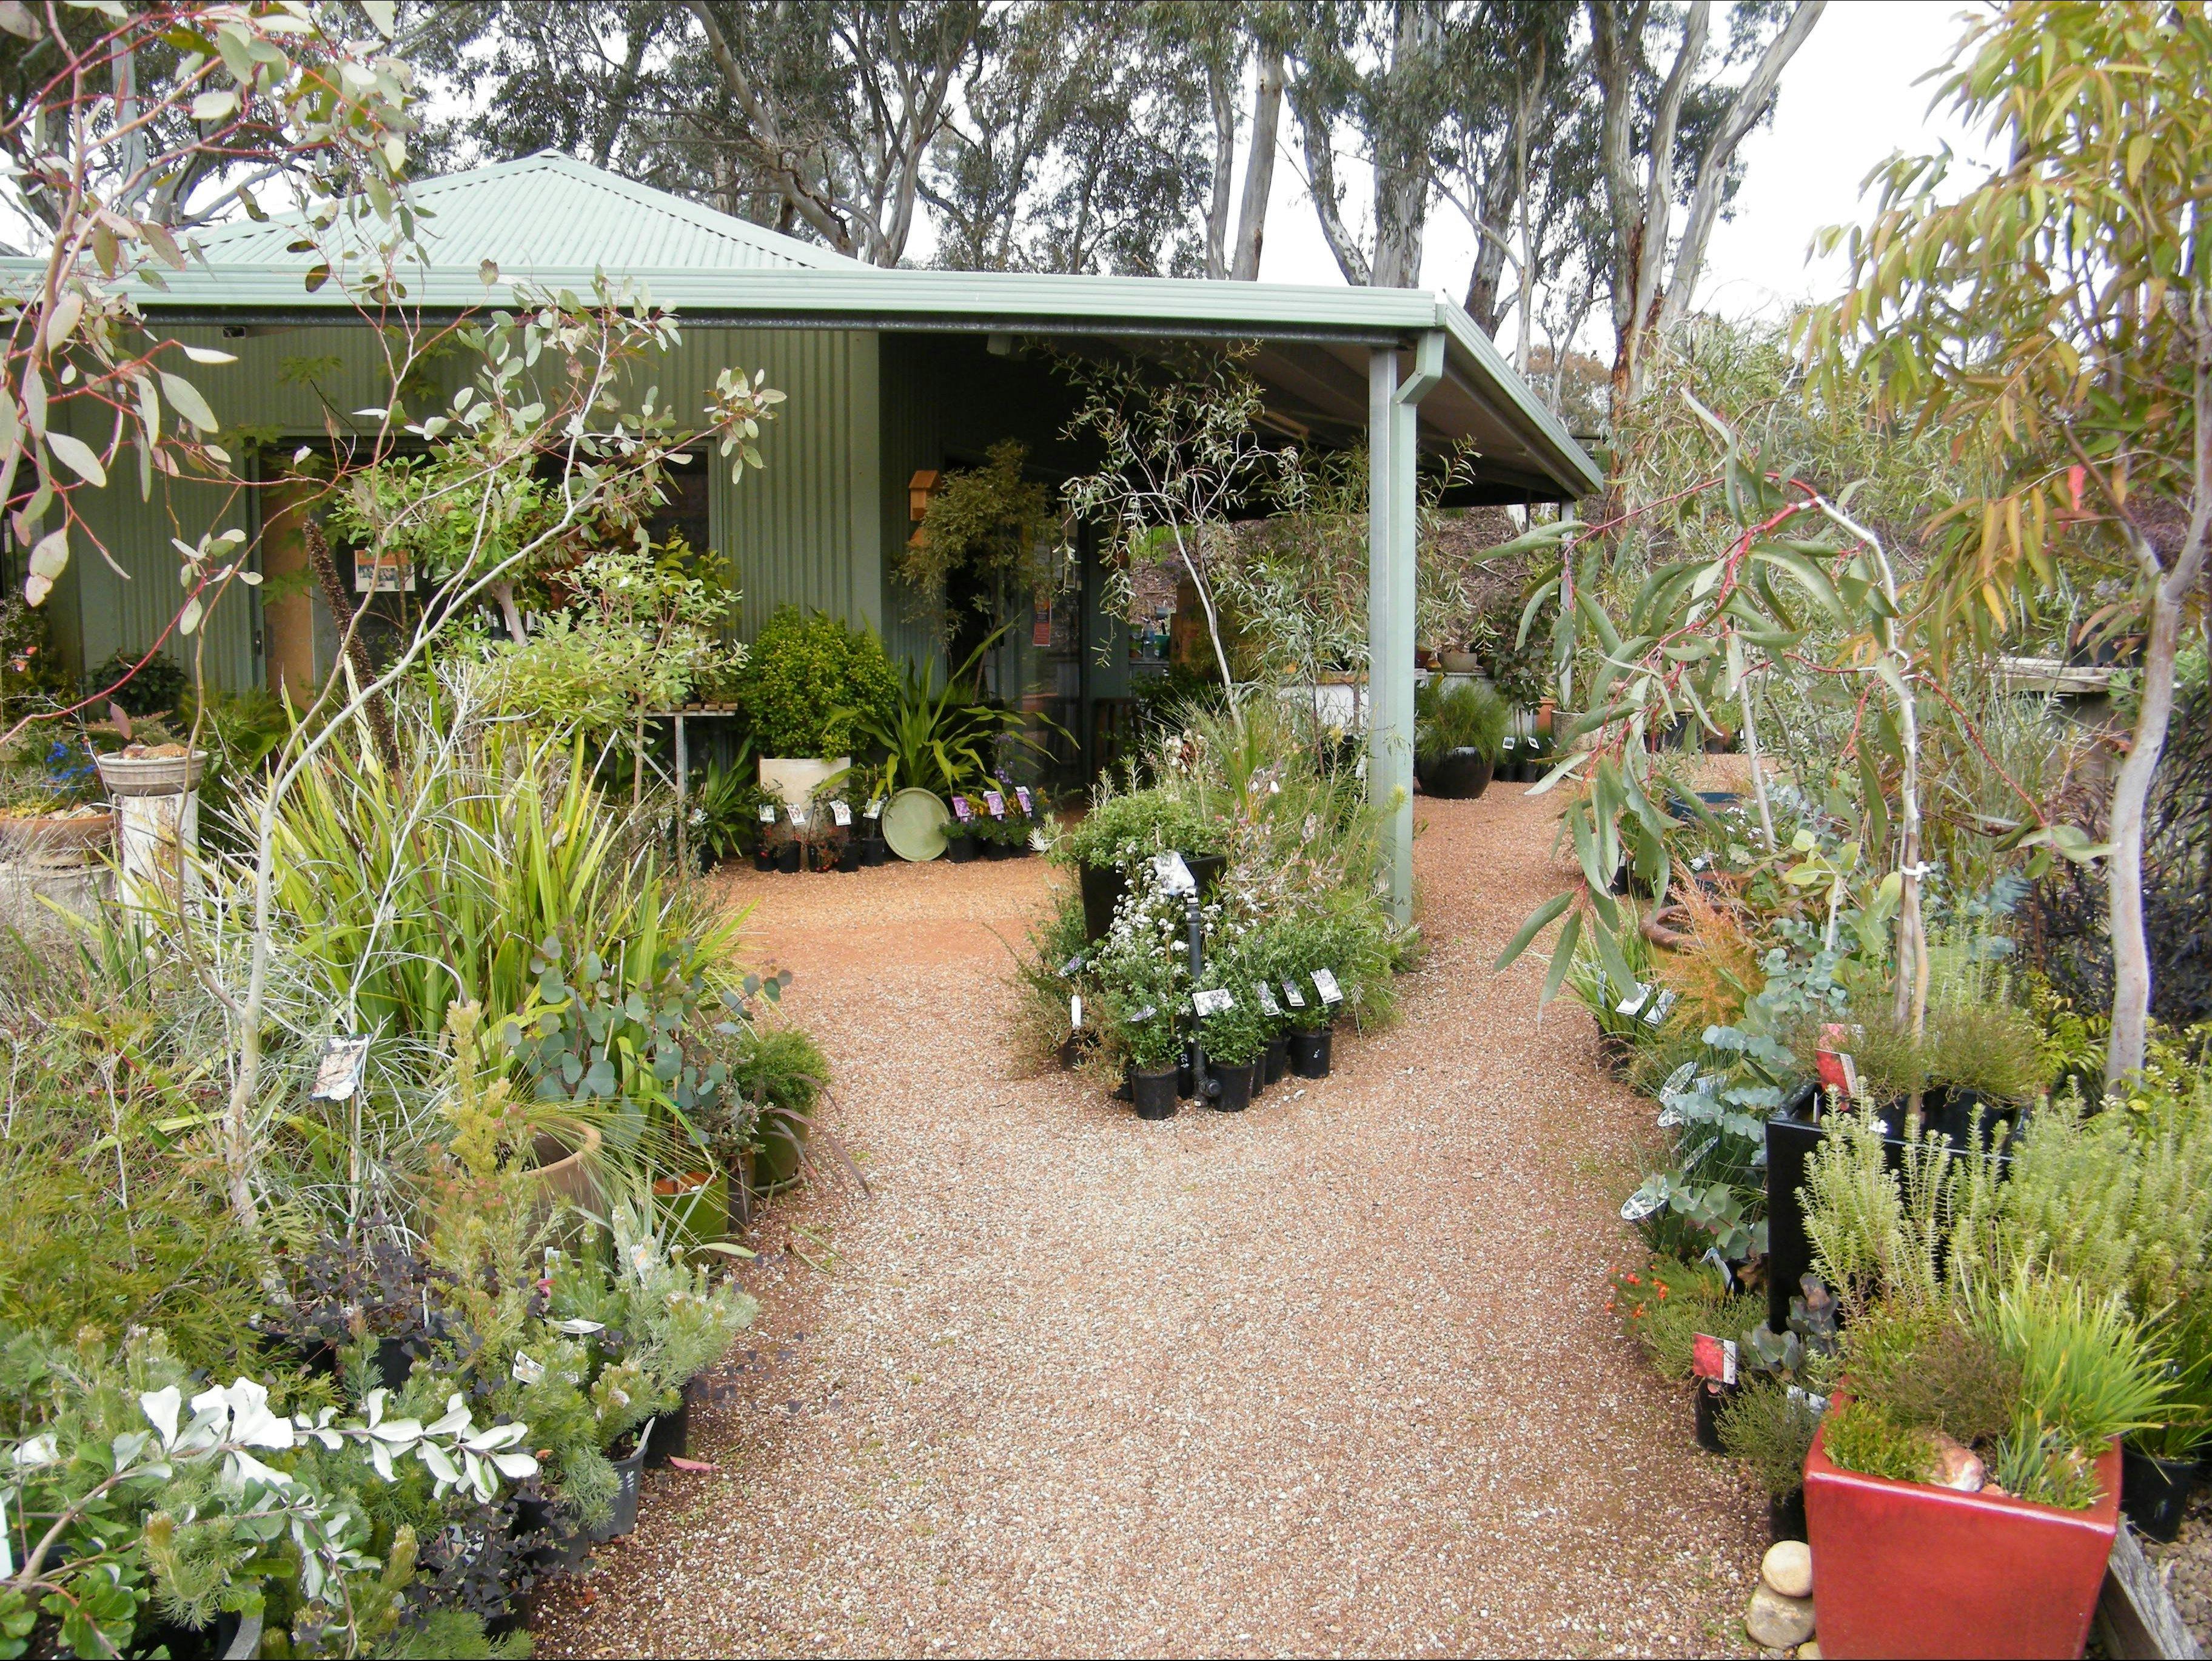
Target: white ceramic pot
(796, 778)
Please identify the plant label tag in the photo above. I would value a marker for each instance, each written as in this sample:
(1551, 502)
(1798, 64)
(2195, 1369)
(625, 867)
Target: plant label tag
(1293, 996)
(1072, 968)
(995, 803)
(1634, 1000)
(1172, 874)
(1806, 1399)
(874, 810)
(1509, 742)
(1727, 1275)
(337, 1069)
(841, 813)
(768, 813)
(961, 811)
(1075, 1013)
(527, 1371)
(1022, 795)
(1267, 1004)
(1214, 1000)
(1139, 1016)
(1657, 1012)
(1325, 983)
(7, 1555)
(1713, 1358)
(577, 1327)
(798, 817)
(1701, 861)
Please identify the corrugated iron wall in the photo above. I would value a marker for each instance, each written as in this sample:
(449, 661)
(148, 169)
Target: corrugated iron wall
(804, 529)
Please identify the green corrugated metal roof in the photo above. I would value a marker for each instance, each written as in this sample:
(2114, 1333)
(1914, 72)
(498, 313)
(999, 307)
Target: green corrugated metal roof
(556, 222)
(534, 212)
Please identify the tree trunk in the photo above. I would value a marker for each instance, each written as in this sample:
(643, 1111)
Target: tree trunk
(1259, 167)
(375, 710)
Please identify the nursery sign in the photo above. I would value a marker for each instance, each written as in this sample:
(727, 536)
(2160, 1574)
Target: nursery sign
(1713, 1358)
(337, 1069)
(1325, 983)
(1215, 1001)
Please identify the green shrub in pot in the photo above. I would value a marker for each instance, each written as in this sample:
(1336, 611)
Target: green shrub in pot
(1238, 1035)
(1466, 716)
(810, 686)
(1121, 831)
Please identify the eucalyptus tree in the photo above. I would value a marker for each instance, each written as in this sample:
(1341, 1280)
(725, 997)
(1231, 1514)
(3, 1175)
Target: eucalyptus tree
(1673, 117)
(2059, 309)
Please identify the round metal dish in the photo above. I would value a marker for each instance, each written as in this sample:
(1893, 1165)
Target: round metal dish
(914, 824)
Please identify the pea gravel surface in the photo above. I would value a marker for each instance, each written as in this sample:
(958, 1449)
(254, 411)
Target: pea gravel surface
(1330, 1375)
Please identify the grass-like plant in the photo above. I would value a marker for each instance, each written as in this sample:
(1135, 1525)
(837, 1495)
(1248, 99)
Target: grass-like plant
(1465, 716)
(1772, 1432)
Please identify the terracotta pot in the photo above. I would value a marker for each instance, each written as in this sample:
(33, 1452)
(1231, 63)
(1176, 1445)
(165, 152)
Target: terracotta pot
(565, 1174)
(1909, 1569)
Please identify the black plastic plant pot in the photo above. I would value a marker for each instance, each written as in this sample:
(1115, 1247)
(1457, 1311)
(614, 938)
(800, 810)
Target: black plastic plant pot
(849, 856)
(672, 1434)
(1458, 775)
(1712, 1397)
(1277, 1060)
(1205, 870)
(183, 1643)
(1793, 1135)
(394, 1365)
(1785, 1517)
(2155, 1492)
(1103, 887)
(1237, 1079)
(1153, 1092)
(790, 857)
(1186, 1075)
(960, 849)
(1310, 1052)
(629, 1480)
(872, 851)
(560, 1546)
(764, 858)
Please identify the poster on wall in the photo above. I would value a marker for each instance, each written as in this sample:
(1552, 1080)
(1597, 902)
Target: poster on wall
(388, 572)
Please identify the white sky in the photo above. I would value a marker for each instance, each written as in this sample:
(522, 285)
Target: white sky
(1847, 101)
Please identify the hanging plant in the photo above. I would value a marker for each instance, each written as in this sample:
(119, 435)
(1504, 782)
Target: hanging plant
(990, 522)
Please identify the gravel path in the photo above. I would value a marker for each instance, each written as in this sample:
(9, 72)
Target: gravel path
(1331, 1376)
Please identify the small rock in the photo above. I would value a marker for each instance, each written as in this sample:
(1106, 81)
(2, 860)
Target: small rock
(1776, 1622)
(1788, 1568)
(1957, 1466)
(1808, 1650)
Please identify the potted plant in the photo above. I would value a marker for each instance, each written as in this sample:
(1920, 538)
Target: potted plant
(1232, 1031)
(1124, 831)
(961, 843)
(1962, 1494)
(808, 687)
(1457, 734)
(1769, 1427)
(1145, 1035)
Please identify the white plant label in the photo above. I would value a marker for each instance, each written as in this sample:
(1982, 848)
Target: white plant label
(1727, 1275)
(338, 1068)
(7, 1556)
(1657, 1012)
(874, 810)
(1508, 741)
(995, 804)
(1816, 1405)
(1215, 1001)
(767, 814)
(527, 1371)
(1325, 983)
(1072, 968)
(798, 818)
(1634, 1001)
(1293, 996)
(1075, 1013)
(1022, 795)
(1144, 1014)
(1172, 874)
(1267, 1004)
(841, 813)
